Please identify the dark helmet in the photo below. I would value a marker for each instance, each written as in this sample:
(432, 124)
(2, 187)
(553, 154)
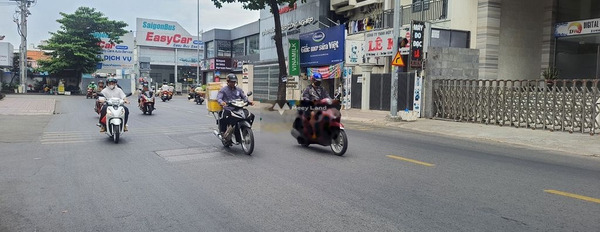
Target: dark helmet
(232, 77)
(111, 80)
(317, 77)
(100, 81)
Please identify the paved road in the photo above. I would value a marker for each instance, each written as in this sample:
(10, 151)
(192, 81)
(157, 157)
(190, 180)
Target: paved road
(169, 173)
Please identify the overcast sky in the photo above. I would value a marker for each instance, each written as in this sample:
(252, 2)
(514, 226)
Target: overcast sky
(45, 13)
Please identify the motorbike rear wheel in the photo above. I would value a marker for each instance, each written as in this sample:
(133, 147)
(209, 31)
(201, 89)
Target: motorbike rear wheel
(339, 143)
(116, 132)
(247, 140)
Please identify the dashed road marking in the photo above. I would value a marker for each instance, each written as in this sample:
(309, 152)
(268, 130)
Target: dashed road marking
(410, 160)
(572, 195)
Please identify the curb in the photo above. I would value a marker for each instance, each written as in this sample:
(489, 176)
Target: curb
(407, 126)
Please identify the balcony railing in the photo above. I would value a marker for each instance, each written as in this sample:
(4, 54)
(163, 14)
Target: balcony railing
(428, 10)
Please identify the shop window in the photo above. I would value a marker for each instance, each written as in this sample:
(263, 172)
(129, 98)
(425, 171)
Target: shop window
(210, 49)
(252, 45)
(239, 46)
(450, 38)
(223, 48)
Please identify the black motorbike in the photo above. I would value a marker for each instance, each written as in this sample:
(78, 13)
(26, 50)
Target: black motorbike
(240, 129)
(197, 98)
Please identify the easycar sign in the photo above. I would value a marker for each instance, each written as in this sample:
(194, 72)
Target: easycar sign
(177, 38)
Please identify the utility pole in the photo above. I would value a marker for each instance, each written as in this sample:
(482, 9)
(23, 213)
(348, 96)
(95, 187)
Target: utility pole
(198, 47)
(22, 26)
(395, 69)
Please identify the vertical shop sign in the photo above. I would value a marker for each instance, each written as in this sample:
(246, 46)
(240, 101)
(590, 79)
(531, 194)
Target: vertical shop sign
(418, 34)
(294, 56)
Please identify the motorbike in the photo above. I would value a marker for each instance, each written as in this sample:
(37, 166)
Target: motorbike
(146, 104)
(321, 124)
(198, 99)
(240, 130)
(90, 93)
(114, 120)
(164, 96)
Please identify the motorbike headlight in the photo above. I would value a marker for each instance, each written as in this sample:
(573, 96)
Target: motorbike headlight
(109, 113)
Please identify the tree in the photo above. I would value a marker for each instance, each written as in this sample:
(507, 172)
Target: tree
(274, 7)
(74, 46)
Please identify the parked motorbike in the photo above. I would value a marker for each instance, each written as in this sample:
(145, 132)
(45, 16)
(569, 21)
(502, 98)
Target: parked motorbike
(240, 130)
(114, 120)
(321, 124)
(146, 104)
(165, 95)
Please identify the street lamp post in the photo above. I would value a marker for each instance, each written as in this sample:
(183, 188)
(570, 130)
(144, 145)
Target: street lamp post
(198, 46)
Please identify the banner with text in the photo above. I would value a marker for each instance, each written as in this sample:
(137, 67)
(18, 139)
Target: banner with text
(581, 27)
(379, 43)
(116, 56)
(322, 47)
(328, 72)
(355, 52)
(294, 57)
(159, 33)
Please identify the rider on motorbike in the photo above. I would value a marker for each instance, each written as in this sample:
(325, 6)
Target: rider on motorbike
(100, 86)
(226, 94)
(92, 85)
(315, 91)
(113, 92)
(311, 95)
(164, 87)
(146, 91)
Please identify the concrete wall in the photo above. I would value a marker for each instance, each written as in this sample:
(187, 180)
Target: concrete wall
(246, 30)
(447, 63)
(521, 39)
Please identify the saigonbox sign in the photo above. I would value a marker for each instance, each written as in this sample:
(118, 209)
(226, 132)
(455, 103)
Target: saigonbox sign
(168, 34)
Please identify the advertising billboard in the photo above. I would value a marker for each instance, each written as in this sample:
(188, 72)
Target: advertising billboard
(167, 34)
(116, 56)
(6, 54)
(581, 27)
(379, 43)
(322, 47)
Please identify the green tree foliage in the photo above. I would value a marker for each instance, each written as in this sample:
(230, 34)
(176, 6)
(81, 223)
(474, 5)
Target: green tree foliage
(74, 46)
(274, 8)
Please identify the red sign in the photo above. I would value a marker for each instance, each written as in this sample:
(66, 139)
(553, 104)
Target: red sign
(286, 9)
(177, 38)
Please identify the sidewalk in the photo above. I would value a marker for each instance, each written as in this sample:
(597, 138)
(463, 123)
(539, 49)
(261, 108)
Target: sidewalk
(14, 104)
(563, 142)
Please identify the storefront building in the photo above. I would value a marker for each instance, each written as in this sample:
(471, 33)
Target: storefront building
(577, 36)
(173, 53)
(228, 50)
(303, 17)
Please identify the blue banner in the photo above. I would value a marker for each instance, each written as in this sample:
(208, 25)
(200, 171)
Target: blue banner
(322, 47)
